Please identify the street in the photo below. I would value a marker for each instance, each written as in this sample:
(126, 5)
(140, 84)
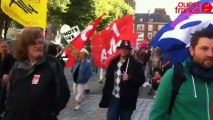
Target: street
(90, 109)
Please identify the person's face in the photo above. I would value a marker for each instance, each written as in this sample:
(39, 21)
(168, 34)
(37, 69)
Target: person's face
(155, 51)
(202, 54)
(81, 55)
(157, 74)
(143, 50)
(4, 48)
(125, 52)
(36, 50)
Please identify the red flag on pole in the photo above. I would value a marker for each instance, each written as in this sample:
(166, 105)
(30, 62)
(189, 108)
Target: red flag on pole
(105, 43)
(78, 43)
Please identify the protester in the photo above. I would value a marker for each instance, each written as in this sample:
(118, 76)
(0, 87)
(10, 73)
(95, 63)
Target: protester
(194, 97)
(38, 87)
(6, 64)
(123, 78)
(82, 72)
(156, 79)
(56, 50)
(101, 76)
(144, 56)
(155, 63)
(165, 62)
(155, 59)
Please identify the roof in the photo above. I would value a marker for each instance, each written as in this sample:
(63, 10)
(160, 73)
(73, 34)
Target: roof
(145, 17)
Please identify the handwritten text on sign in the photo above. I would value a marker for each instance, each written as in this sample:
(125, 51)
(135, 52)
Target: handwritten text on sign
(69, 33)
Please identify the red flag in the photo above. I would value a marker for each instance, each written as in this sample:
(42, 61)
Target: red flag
(78, 43)
(105, 43)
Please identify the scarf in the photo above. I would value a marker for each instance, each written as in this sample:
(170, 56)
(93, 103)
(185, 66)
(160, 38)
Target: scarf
(198, 71)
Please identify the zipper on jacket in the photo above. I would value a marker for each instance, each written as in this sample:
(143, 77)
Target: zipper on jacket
(207, 92)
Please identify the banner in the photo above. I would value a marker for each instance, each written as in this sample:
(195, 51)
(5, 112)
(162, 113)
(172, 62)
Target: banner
(78, 43)
(174, 38)
(29, 13)
(104, 45)
(68, 33)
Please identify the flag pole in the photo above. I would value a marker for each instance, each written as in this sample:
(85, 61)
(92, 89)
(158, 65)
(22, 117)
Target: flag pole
(59, 53)
(127, 66)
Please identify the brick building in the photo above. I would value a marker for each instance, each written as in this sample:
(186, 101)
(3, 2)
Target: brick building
(148, 24)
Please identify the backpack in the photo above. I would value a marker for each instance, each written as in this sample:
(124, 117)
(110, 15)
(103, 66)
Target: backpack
(177, 80)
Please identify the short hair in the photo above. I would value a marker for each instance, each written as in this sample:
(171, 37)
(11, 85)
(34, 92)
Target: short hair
(27, 37)
(157, 69)
(199, 34)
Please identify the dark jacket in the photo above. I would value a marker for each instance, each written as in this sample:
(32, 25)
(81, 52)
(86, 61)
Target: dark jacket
(128, 89)
(42, 101)
(7, 63)
(5, 67)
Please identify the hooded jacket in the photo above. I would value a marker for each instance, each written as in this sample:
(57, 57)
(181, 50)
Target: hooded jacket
(193, 102)
(37, 92)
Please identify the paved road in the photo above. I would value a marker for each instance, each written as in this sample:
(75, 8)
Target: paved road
(90, 110)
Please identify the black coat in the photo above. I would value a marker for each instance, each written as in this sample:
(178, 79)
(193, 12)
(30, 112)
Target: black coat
(5, 66)
(128, 89)
(37, 101)
(8, 62)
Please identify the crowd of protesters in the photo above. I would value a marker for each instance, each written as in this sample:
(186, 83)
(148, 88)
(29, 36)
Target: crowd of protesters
(34, 87)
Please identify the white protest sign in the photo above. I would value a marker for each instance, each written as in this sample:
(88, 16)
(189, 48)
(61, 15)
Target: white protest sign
(69, 33)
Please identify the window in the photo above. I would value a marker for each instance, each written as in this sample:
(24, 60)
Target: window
(154, 33)
(150, 35)
(159, 27)
(141, 20)
(150, 19)
(140, 37)
(140, 27)
(150, 27)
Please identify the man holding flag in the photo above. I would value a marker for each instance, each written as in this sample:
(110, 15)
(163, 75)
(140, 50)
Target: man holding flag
(123, 78)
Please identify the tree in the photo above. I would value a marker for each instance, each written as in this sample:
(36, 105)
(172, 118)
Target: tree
(58, 5)
(56, 9)
(80, 12)
(114, 9)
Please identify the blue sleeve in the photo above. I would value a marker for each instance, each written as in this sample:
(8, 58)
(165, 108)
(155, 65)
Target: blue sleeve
(89, 70)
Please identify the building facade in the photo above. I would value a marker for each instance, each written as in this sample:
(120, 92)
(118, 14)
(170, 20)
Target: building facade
(148, 24)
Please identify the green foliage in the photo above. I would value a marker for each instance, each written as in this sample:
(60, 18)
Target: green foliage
(83, 12)
(114, 9)
(56, 10)
(80, 12)
(58, 5)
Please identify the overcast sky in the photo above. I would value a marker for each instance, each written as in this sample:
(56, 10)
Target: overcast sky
(142, 6)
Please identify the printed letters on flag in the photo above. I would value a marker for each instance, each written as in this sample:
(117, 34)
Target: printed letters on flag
(104, 45)
(29, 13)
(78, 43)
